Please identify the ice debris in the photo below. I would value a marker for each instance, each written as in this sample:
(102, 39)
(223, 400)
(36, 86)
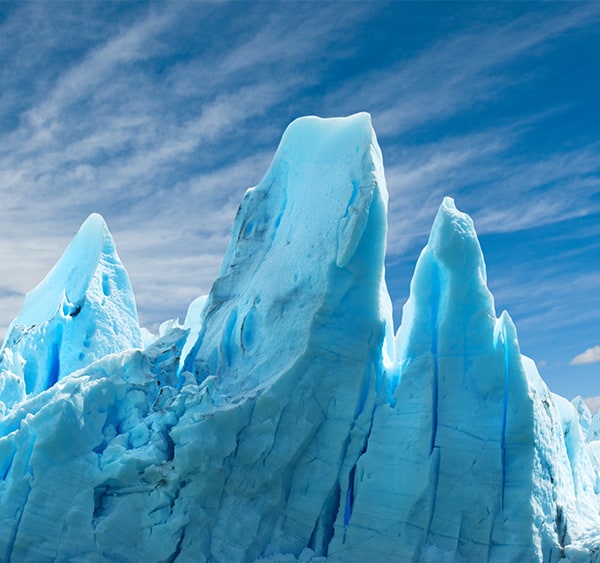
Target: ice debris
(284, 420)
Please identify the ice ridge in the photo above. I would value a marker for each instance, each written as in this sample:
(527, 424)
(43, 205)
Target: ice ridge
(285, 421)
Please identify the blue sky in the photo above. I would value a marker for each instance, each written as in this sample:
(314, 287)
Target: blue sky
(160, 115)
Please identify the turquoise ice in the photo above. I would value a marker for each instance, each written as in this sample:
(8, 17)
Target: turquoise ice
(285, 420)
(82, 311)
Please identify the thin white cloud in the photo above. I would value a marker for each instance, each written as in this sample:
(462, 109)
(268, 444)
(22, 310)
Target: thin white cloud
(280, 47)
(458, 72)
(166, 153)
(526, 193)
(131, 45)
(539, 314)
(590, 356)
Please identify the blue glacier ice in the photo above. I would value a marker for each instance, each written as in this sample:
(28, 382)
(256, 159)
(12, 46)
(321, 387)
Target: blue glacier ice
(82, 311)
(285, 420)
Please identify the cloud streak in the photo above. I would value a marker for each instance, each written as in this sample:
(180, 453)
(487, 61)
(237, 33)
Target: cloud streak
(461, 71)
(159, 116)
(590, 356)
(164, 156)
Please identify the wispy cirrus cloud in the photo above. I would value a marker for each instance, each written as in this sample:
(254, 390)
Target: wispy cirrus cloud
(160, 115)
(461, 71)
(162, 143)
(503, 191)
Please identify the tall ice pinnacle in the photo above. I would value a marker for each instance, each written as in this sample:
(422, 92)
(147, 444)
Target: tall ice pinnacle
(301, 241)
(467, 461)
(292, 334)
(83, 310)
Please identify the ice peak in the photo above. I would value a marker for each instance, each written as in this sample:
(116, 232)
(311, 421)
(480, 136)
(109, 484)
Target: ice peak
(322, 202)
(311, 132)
(83, 309)
(94, 221)
(70, 276)
(454, 242)
(94, 230)
(448, 203)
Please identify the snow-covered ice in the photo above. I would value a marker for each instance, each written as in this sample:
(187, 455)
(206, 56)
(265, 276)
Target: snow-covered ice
(285, 420)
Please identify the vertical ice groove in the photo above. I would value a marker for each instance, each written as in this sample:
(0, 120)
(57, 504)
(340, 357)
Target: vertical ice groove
(54, 360)
(100, 493)
(332, 506)
(330, 510)
(8, 466)
(434, 475)
(435, 312)
(349, 496)
(364, 394)
(229, 342)
(173, 557)
(30, 374)
(283, 208)
(504, 407)
(351, 476)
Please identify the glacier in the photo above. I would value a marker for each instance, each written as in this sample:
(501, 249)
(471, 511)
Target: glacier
(286, 420)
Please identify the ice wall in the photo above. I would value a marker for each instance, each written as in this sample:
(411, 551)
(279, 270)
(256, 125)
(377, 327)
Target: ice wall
(468, 460)
(436, 471)
(285, 421)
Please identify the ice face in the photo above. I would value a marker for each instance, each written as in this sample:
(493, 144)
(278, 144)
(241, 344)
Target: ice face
(83, 310)
(284, 421)
(294, 256)
(305, 264)
(460, 412)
